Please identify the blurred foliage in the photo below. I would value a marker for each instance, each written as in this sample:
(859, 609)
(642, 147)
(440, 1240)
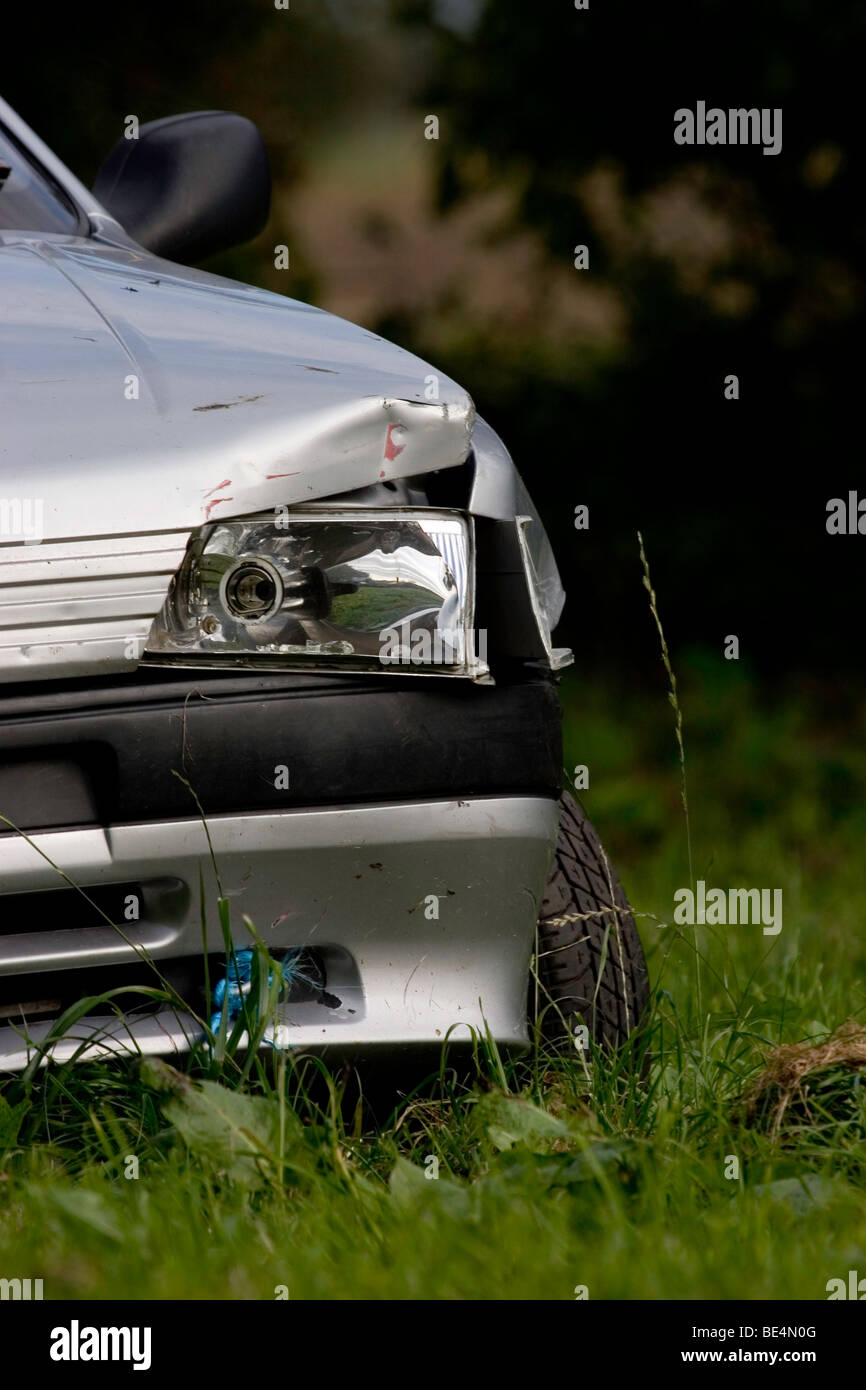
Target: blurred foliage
(291, 71)
(725, 260)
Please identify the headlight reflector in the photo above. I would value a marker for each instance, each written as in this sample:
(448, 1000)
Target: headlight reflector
(390, 590)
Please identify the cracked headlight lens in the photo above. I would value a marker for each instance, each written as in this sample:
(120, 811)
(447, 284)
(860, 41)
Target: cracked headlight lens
(375, 590)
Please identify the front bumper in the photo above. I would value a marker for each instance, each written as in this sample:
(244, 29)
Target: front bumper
(405, 834)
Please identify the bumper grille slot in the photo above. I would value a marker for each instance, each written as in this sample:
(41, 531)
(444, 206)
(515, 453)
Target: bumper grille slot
(43, 997)
(65, 909)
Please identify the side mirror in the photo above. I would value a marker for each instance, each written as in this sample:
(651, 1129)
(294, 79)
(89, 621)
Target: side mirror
(189, 185)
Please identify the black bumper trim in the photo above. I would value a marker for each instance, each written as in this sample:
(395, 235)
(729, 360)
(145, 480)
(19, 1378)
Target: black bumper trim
(267, 743)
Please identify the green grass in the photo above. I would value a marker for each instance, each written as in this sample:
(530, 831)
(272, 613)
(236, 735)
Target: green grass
(556, 1172)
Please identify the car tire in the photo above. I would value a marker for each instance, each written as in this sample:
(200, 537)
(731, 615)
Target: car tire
(590, 965)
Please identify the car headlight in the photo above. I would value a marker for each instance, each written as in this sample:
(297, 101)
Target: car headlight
(375, 590)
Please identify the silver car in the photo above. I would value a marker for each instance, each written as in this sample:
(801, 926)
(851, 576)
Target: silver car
(276, 653)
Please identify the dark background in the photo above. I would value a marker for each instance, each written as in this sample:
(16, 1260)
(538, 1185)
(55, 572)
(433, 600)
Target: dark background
(556, 128)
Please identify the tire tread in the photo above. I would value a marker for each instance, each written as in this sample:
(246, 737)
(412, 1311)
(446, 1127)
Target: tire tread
(570, 954)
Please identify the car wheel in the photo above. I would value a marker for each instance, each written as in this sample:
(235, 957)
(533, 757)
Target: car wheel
(590, 963)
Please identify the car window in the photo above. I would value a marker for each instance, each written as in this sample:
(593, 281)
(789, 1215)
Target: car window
(28, 200)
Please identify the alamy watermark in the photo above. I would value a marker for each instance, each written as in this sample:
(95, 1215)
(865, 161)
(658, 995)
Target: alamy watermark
(854, 1288)
(77, 1343)
(846, 516)
(736, 126)
(21, 519)
(422, 647)
(737, 907)
(21, 1289)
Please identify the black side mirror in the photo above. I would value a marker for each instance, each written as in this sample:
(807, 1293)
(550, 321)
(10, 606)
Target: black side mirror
(189, 185)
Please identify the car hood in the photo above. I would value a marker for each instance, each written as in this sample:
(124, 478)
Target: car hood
(140, 396)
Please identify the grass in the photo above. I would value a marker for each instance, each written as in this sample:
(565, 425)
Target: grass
(710, 1165)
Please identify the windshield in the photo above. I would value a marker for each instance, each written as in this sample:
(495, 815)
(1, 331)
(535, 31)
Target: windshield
(28, 201)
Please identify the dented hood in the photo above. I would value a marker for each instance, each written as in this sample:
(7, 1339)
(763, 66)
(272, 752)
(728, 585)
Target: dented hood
(140, 396)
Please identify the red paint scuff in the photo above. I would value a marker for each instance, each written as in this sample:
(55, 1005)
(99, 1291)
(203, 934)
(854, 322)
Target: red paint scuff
(215, 503)
(226, 482)
(392, 449)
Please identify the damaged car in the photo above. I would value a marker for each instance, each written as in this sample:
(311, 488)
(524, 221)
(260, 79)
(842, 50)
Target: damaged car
(276, 647)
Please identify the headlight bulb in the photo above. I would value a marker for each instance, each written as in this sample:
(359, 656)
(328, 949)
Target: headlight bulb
(252, 590)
